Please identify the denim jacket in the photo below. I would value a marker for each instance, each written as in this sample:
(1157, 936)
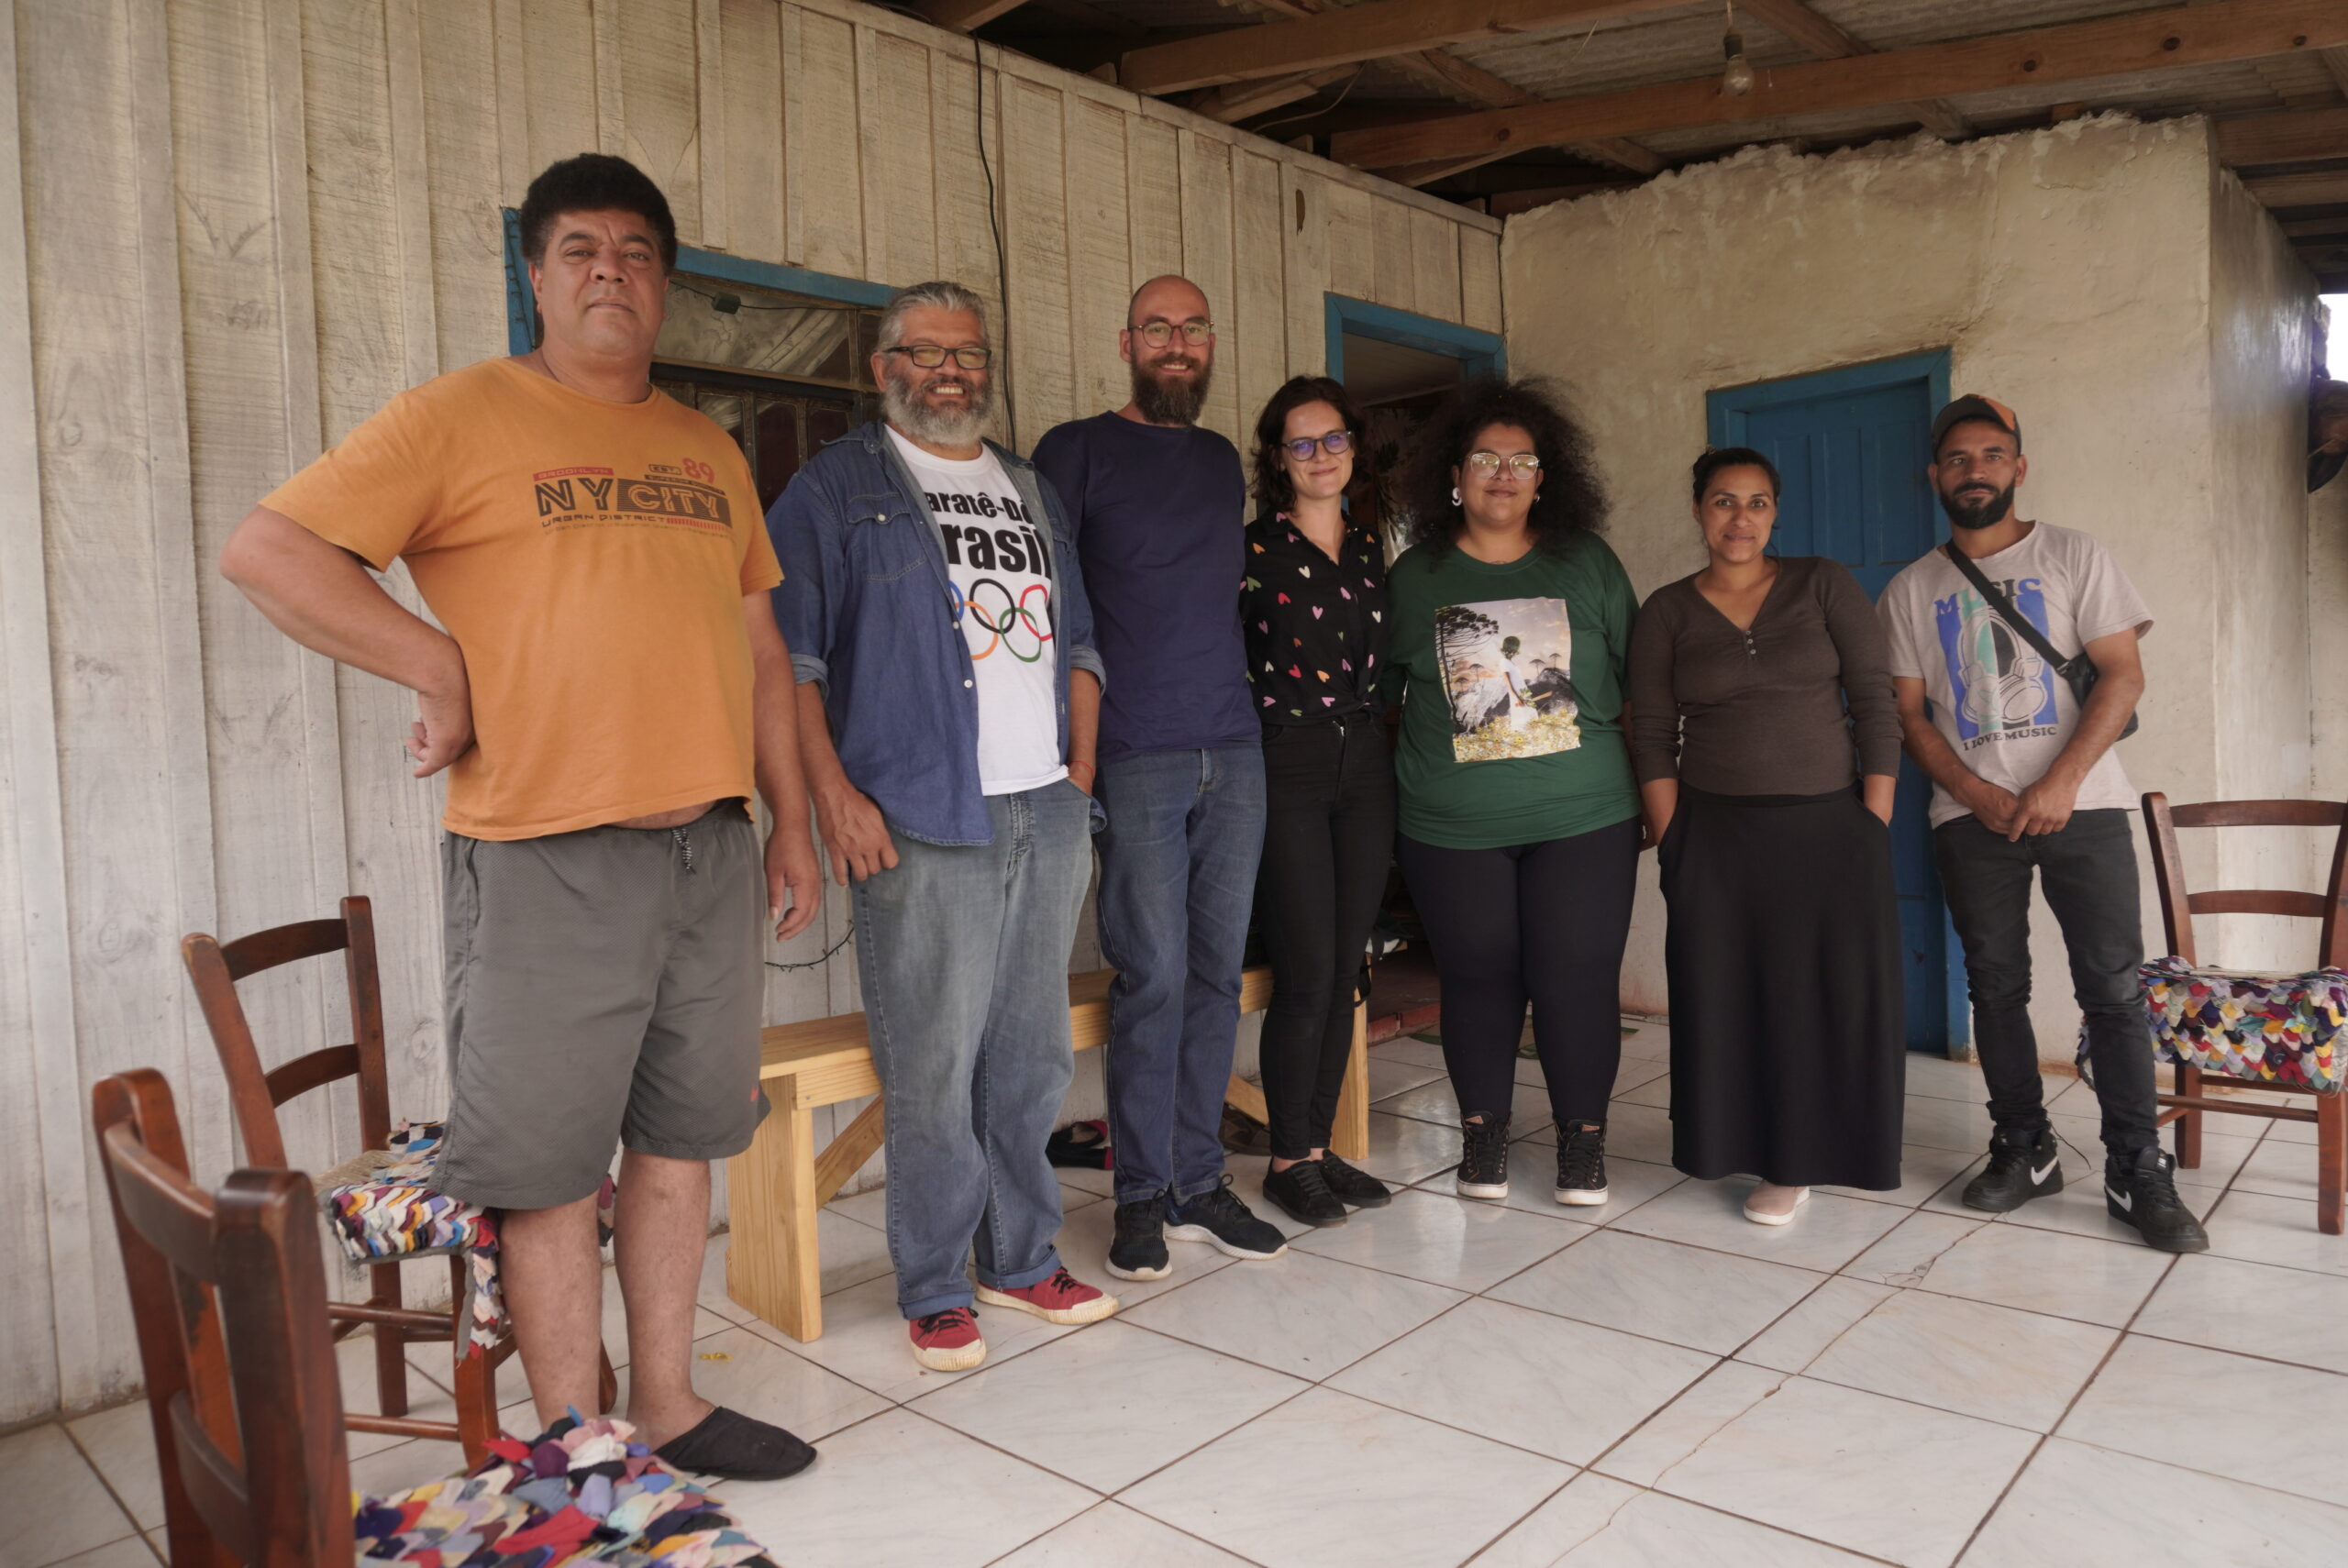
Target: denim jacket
(867, 608)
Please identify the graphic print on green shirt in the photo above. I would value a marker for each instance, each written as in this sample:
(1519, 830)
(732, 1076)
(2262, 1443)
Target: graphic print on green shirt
(1505, 745)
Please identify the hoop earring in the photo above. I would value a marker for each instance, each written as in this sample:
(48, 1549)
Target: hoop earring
(1455, 496)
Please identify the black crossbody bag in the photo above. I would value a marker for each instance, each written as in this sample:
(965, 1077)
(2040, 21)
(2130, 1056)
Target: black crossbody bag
(2080, 673)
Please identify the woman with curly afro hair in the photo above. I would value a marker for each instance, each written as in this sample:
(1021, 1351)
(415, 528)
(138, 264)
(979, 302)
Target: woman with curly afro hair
(1520, 818)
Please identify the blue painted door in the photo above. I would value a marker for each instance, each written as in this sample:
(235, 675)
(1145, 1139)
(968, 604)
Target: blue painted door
(1852, 448)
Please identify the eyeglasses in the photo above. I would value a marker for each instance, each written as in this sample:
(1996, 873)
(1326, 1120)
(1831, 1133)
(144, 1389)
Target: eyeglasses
(1159, 334)
(1486, 464)
(1336, 443)
(929, 356)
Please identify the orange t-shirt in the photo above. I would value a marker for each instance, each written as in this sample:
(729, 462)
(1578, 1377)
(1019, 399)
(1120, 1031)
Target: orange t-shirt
(591, 560)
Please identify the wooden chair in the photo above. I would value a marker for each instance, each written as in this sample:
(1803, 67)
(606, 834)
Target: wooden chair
(255, 1095)
(253, 1472)
(2329, 908)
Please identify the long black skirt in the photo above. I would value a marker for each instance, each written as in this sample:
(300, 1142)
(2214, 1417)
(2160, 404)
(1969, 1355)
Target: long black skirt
(1789, 1054)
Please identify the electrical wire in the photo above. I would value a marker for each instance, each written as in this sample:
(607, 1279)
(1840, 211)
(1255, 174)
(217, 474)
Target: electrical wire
(1260, 128)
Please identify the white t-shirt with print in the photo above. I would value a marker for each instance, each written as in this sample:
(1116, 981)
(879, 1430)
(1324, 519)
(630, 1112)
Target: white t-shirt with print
(2004, 710)
(998, 559)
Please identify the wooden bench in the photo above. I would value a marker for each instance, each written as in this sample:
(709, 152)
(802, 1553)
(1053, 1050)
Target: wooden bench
(774, 1189)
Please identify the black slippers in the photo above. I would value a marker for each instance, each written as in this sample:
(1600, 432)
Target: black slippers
(736, 1447)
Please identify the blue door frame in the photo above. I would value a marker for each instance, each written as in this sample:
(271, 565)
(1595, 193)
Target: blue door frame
(1852, 443)
(1478, 353)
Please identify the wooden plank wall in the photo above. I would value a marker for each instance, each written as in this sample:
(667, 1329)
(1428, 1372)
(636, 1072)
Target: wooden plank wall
(234, 228)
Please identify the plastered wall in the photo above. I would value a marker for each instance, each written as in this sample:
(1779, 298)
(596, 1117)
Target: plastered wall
(2103, 277)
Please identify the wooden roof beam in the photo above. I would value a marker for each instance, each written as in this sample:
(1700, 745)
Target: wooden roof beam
(2293, 136)
(1824, 38)
(1375, 29)
(1449, 73)
(1241, 99)
(2318, 190)
(2215, 34)
(965, 16)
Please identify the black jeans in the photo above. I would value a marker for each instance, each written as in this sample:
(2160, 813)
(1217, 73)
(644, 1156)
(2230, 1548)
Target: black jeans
(2088, 874)
(1545, 921)
(1328, 841)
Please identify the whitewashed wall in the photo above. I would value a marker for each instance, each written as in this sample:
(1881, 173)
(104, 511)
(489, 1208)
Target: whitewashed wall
(234, 228)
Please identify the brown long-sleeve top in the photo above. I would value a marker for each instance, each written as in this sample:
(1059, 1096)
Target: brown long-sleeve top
(1760, 712)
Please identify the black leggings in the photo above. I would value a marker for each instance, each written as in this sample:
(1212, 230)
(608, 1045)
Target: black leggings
(1328, 840)
(1545, 921)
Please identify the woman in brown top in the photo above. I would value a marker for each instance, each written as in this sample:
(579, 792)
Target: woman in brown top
(1771, 802)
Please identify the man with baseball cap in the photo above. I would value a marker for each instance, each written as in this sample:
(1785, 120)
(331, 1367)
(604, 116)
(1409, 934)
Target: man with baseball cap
(2024, 779)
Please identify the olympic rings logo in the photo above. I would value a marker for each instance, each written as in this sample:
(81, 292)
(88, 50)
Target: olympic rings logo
(1013, 626)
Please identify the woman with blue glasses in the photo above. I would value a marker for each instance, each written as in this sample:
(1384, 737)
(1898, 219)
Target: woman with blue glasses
(1314, 609)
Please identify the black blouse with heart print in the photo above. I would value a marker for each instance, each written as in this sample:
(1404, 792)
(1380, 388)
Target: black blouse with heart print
(1317, 629)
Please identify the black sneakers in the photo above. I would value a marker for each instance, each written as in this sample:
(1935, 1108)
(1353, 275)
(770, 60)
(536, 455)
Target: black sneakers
(1302, 1193)
(1352, 1186)
(2140, 1190)
(1581, 1164)
(1217, 1217)
(2022, 1165)
(1483, 1158)
(1139, 1250)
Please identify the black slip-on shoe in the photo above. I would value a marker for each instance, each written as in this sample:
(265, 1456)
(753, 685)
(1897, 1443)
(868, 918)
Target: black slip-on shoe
(1353, 1185)
(1301, 1192)
(736, 1447)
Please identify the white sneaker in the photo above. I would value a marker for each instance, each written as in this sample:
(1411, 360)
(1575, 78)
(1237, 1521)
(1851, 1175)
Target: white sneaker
(1772, 1194)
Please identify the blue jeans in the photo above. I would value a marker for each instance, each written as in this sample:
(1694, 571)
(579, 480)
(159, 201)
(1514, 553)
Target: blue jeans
(963, 952)
(1178, 877)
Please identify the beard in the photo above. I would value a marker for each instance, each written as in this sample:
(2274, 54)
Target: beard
(1164, 402)
(1972, 511)
(902, 400)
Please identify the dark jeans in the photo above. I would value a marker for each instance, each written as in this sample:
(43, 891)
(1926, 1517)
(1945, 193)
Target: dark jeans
(1178, 877)
(1328, 841)
(2088, 874)
(1544, 921)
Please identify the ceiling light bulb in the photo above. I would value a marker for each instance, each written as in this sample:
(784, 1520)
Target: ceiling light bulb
(1736, 78)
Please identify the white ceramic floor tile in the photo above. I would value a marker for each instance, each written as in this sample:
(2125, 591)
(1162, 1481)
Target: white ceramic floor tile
(1561, 1389)
(1704, 1300)
(1689, 1422)
(1635, 1071)
(2288, 1313)
(1301, 1314)
(1796, 1339)
(406, 1466)
(1448, 1241)
(1389, 1489)
(2076, 1505)
(1411, 1050)
(1389, 1076)
(1599, 1522)
(1655, 1091)
(1650, 1040)
(1084, 1245)
(1101, 1184)
(1144, 1400)
(865, 1340)
(1905, 1254)
(1404, 1149)
(869, 1207)
(755, 1375)
(2227, 1414)
(1828, 1233)
(131, 1552)
(1937, 1077)
(1113, 1536)
(2223, 1160)
(2280, 1231)
(55, 1504)
(1876, 1475)
(2046, 1271)
(848, 1252)
(1923, 1171)
(713, 1298)
(1435, 1101)
(121, 1444)
(1962, 1125)
(2001, 1365)
(901, 1491)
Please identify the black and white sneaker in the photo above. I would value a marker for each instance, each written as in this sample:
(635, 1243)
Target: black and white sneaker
(1581, 1164)
(2140, 1190)
(1139, 1250)
(1483, 1158)
(1353, 1185)
(2023, 1164)
(1218, 1218)
(1301, 1192)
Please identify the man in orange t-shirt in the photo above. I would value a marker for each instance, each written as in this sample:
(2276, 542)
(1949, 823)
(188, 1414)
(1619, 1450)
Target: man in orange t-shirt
(609, 692)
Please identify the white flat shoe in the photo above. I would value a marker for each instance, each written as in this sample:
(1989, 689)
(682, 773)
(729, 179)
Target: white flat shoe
(1760, 1217)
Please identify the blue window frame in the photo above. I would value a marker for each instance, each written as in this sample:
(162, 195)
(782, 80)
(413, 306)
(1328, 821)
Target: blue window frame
(1478, 353)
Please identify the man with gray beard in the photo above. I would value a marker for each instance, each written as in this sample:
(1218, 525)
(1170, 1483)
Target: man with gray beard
(950, 757)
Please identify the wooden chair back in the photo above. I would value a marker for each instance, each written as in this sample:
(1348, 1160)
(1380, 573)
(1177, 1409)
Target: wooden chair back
(229, 1295)
(255, 1095)
(2178, 906)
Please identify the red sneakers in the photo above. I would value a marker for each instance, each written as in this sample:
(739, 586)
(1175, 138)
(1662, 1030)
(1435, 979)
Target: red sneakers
(948, 1340)
(1062, 1298)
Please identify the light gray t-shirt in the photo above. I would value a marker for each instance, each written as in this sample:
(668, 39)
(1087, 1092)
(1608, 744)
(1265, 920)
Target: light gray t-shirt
(2005, 710)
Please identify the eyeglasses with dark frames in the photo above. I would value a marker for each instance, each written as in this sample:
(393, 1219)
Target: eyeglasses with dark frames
(929, 356)
(1488, 463)
(1336, 443)
(1159, 334)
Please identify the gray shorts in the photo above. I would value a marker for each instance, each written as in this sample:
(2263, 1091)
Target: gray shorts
(606, 987)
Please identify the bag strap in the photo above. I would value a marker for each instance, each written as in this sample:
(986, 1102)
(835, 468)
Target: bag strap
(2016, 622)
